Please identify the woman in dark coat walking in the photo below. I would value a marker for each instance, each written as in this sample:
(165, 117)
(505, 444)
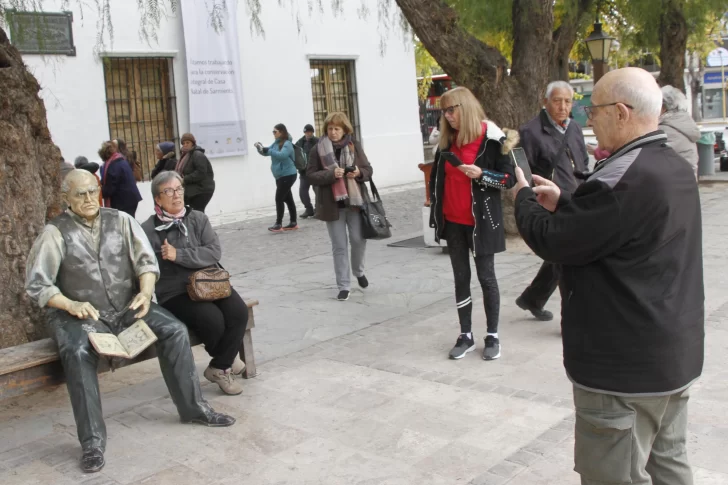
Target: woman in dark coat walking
(196, 170)
(466, 207)
(166, 158)
(118, 185)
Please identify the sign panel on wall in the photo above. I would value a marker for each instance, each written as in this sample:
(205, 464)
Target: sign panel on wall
(217, 118)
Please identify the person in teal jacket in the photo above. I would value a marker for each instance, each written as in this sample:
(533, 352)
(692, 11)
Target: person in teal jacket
(284, 170)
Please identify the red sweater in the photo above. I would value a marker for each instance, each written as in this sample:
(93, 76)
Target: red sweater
(457, 197)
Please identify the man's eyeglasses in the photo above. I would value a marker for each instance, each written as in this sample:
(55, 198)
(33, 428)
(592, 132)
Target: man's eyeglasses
(169, 192)
(589, 110)
(450, 109)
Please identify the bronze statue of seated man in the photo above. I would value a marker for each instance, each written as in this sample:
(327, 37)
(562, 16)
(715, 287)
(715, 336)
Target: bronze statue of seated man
(94, 270)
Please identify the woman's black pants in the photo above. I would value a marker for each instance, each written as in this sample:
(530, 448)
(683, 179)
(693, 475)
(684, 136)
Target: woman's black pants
(220, 324)
(460, 243)
(285, 196)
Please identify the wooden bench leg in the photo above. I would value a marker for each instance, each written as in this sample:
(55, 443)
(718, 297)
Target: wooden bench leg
(248, 356)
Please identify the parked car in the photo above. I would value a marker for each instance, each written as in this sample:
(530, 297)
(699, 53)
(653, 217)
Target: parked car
(719, 146)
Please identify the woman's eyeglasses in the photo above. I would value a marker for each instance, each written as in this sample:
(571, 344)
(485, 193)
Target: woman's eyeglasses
(450, 109)
(169, 192)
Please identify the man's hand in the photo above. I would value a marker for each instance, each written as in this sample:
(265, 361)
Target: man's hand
(143, 301)
(82, 310)
(169, 252)
(521, 182)
(354, 174)
(547, 193)
(471, 171)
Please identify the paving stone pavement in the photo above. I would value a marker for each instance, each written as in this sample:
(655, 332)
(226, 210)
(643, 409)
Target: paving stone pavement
(361, 392)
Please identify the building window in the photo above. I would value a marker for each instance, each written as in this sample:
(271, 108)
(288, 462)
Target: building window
(333, 86)
(141, 104)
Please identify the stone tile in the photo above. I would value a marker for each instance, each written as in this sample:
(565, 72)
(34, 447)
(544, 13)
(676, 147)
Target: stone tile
(358, 400)
(554, 435)
(488, 478)
(525, 458)
(506, 469)
(457, 461)
(177, 475)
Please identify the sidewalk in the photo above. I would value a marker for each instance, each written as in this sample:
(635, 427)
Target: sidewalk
(362, 392)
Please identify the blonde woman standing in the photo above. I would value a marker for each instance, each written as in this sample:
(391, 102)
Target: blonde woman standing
(338, 167)
(466, 207)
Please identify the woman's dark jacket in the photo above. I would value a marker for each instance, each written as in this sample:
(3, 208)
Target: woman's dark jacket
(165, 164)
(199, 249)
(120, 186)
(498, 174)
(327, 209)
(198, 175)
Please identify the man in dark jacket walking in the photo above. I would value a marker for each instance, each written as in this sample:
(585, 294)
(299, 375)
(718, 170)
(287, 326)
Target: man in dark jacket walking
(630, 244)
(306, 143)
(555, 149)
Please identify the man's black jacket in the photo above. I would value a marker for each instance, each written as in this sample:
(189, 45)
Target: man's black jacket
(542, 143)
(630, 243)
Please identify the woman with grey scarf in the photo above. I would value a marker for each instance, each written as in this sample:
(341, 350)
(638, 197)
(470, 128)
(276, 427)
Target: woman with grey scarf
(339, 168)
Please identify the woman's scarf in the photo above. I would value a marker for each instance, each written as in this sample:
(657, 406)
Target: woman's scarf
(107, 165)
(171, 220)
(183, 160)
(344, 188)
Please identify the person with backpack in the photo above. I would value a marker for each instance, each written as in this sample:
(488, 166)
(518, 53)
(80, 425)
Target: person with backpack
(305, 144)
(283, 167)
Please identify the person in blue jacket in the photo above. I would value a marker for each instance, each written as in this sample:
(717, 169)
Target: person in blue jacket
(118, 185)
(284, 170)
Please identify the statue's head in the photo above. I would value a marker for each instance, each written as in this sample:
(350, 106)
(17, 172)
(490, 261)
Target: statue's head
(80, 190)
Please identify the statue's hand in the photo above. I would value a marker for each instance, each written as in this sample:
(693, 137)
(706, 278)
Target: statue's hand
(83, 310)
(143, 301)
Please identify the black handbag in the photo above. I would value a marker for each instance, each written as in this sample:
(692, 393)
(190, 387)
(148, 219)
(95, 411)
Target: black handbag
(374, 223)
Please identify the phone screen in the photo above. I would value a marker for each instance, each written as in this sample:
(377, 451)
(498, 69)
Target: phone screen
(451, 158)
(520, 160)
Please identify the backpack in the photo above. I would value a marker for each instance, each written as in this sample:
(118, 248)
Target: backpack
(299, 159)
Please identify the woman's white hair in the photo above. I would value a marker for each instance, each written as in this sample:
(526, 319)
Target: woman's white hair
(558, 85)
(646, 101)
(673, 99)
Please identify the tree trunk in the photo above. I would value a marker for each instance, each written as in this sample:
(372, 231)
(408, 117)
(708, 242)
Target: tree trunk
(576, 18)
(673, 44)
(29, 191)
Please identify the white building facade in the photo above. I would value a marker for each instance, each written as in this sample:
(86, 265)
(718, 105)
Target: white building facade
(139, 91)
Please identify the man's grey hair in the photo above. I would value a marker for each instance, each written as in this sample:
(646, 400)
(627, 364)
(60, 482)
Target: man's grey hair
(558, 85)
(673, 99)
(163, 178)
(66, 183)
(646, 101)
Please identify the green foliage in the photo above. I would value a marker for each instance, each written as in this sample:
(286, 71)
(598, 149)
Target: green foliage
(426, 68)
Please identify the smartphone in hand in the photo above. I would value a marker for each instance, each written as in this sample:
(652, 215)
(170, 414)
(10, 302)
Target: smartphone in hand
(518, 155)
(451, 158)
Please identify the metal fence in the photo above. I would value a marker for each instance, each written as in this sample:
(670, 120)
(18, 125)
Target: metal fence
(141, 105)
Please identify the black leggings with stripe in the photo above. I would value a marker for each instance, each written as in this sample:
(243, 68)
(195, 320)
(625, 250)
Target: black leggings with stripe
(460, 242)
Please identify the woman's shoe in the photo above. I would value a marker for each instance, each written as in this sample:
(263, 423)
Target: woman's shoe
(276, 228)
(238, 366)
(224, 379)
(291, 227)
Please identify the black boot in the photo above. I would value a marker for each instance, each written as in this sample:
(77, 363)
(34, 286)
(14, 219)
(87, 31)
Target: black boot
(92, 460)
(307, 213)
(213, 420)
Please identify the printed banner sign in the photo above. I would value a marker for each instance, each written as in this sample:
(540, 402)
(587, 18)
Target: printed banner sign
(217, 119)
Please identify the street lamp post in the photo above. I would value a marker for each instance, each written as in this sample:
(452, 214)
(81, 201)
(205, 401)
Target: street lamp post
(599, 45)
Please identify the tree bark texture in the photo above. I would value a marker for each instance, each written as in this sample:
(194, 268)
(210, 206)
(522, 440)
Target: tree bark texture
(576, 18)
(673, 44)
(29, 191)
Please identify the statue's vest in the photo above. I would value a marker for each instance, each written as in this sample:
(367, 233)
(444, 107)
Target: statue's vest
(105, 279)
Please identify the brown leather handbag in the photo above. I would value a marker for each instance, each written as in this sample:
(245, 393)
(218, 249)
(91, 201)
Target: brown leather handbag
(209, 284)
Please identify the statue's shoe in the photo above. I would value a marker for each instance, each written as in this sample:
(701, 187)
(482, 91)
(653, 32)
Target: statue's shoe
(92, 460)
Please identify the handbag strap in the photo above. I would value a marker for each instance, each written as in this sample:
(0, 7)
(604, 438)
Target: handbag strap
(375, 192)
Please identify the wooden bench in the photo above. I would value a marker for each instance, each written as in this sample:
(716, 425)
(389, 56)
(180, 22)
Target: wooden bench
(36, 365)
